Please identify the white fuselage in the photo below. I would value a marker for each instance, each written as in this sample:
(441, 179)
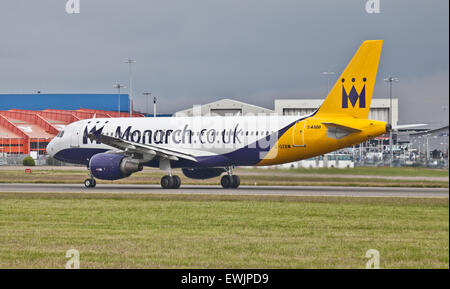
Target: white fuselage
(198, 136)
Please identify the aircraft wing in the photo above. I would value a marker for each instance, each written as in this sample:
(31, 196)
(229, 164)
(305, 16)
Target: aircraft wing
(147, 150)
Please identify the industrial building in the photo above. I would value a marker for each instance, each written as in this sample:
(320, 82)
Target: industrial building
(379, 109)
(29, 121)
(224, 107)
(64, 101)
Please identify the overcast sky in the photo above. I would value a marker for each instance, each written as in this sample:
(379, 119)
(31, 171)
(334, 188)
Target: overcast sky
(197, 51)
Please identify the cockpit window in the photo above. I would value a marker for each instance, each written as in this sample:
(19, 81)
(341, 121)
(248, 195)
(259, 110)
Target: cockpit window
(60, 134)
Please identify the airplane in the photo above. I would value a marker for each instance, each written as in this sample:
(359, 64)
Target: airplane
(208, 146)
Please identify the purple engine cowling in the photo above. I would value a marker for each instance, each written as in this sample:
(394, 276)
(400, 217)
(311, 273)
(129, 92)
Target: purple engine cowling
(106, 166)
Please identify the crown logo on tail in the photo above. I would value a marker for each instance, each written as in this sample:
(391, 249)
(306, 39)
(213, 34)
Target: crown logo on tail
(353, 96)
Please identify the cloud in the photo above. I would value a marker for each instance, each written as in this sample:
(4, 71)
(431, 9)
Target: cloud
(200, 50)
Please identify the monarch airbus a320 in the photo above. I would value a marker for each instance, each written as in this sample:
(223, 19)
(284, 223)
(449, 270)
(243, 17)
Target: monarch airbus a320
(207, 147)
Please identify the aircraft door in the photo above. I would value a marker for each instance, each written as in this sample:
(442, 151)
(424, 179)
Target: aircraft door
(75, 136)
(299, 134)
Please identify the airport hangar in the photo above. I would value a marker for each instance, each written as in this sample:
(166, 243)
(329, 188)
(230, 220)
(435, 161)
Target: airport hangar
(29, 121)
(379, 109)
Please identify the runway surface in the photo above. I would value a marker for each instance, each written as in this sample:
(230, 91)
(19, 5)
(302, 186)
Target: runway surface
(243, 190)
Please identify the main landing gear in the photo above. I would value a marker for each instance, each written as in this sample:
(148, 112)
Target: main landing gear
(230, 181)
(170, 182)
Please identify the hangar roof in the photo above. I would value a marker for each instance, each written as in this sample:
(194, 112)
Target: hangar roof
(6, 133)
(223, 105)
(31, 129)
(74, 101)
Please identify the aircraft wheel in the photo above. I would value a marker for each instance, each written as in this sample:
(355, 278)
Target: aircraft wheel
(227, 182)
(236, 181)
(167, 182)
(90, 183)
(176, 182)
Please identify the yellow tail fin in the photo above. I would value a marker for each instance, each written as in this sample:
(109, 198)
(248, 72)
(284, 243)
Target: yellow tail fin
(352, 93)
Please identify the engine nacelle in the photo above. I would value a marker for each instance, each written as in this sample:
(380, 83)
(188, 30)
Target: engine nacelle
(106, 166)
(202, 173)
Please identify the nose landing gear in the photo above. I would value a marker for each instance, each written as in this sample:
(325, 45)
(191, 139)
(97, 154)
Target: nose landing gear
(90, 183)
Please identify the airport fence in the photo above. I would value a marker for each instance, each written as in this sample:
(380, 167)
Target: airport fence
(17, 159)
(333, 161)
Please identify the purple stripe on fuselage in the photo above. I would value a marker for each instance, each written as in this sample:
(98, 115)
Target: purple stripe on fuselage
(249, 155)
(79, 156)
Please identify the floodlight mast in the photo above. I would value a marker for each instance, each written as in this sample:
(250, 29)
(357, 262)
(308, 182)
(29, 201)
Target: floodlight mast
(130, 62)
(147, 94)
(118, 86)
(154, 106)
(390, 80)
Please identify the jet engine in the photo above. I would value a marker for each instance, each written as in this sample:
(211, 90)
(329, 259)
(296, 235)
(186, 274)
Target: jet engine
(106, 166)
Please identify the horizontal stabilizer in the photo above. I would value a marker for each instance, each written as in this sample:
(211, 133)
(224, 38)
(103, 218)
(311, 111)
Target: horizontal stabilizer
(347, 128)
(338, 131)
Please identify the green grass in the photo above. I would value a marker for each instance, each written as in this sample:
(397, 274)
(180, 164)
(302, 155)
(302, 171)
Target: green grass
(248, 177)
(372, 171)
(198, 231)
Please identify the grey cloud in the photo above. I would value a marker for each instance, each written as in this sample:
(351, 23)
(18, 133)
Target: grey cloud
(194, 51)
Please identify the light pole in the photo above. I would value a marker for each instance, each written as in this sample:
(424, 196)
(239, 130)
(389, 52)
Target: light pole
(445, 108)
(147, 94)
(427, 149)
(446, 154)
(328, 75)
(118, 86)
(154, 106)
(130, 62)
(390, 80)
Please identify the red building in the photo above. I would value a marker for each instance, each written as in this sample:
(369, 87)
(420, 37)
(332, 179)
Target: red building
(24, 131)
